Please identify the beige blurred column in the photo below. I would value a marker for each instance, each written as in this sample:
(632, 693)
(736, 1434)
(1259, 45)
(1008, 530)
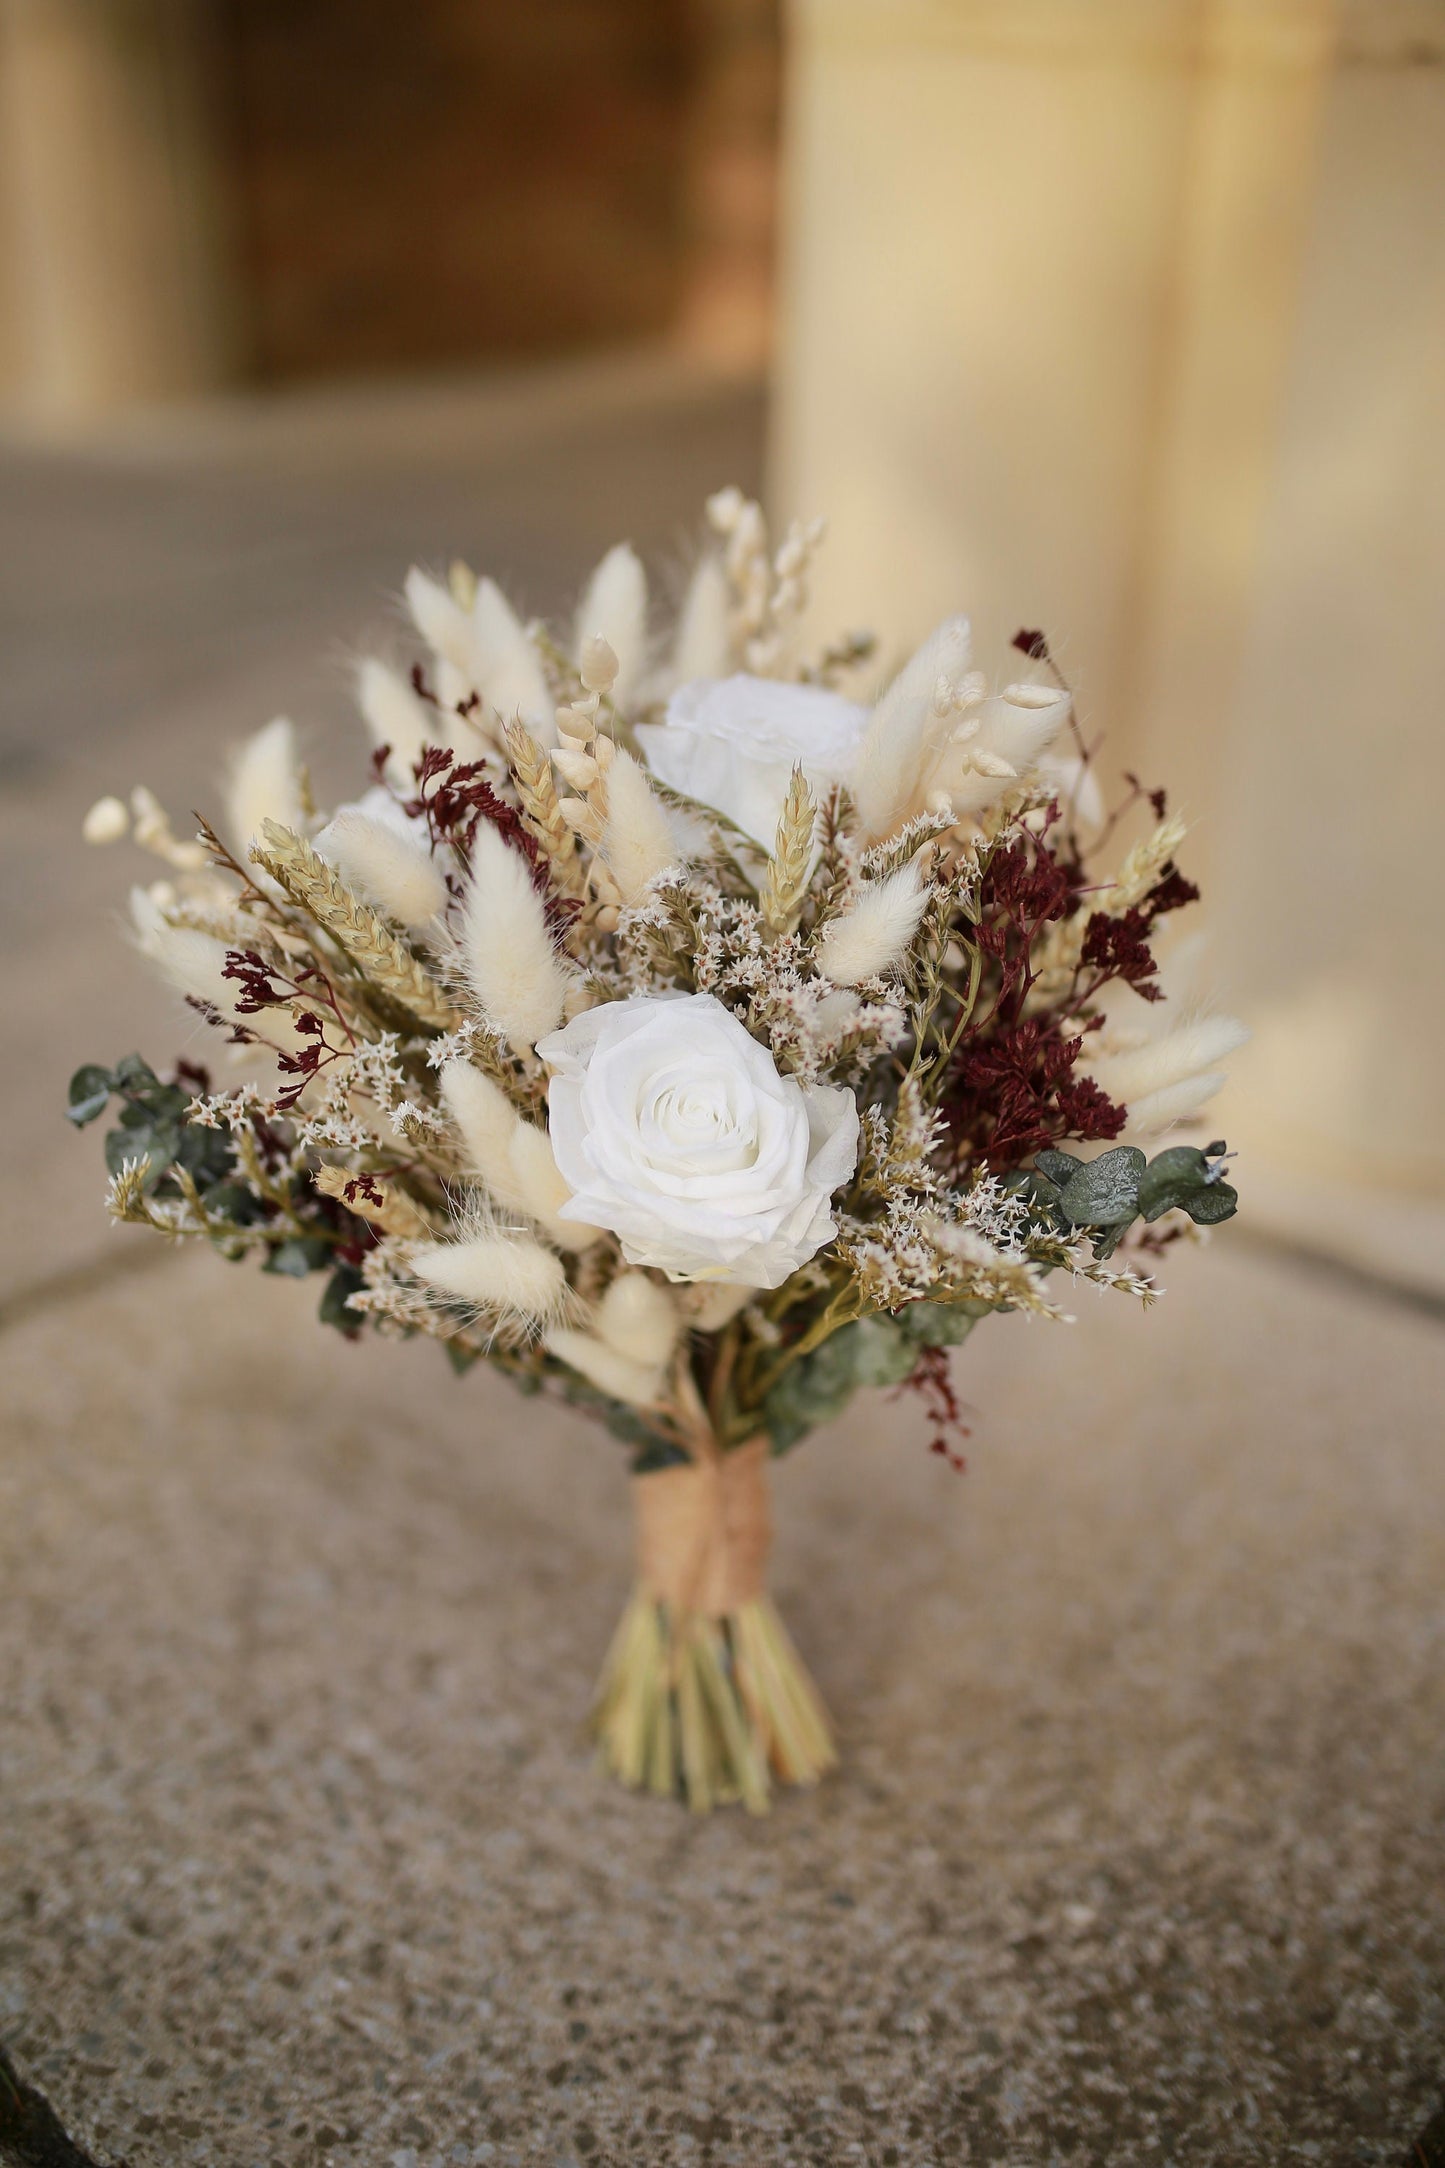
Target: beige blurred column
(1125, 318)
(112, 279)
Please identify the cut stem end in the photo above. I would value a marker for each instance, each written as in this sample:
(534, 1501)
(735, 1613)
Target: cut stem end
(709, 1709)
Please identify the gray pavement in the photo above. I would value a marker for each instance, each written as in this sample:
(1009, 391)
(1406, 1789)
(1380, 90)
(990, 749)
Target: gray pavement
(1135, 1851)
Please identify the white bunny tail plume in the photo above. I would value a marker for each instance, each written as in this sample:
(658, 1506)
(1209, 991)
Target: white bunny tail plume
(614, 608)
(193, 963)
(509, 675)
(442, 622)
(508, 1275)
(703, 646)
(871, 935)
(540, 1190)
(1165, 1059)
(397, 718)
(264, 784)
(388, 868)
(189, 960)
(898, 747)
(511, 1157)
(1158, 1111)
(486, 1119)
(639, 1318)
(507, 952)
(639, 1384)
(637, 842)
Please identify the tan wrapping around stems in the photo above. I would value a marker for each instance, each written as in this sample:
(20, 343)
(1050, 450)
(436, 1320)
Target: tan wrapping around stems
(704, 1531)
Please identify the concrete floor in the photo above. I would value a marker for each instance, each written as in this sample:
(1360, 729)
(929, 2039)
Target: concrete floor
(1135, 1852)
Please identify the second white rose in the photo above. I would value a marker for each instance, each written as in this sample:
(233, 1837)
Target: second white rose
(733, 743)
(672, 1126)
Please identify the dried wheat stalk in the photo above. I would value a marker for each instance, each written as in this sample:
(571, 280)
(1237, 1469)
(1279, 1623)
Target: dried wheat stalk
(381, 958)
(791, 865)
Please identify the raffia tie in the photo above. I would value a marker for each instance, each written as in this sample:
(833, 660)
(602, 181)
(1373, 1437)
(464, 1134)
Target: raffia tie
(704, 1531)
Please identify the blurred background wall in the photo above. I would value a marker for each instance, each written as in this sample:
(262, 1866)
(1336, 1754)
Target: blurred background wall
(196, 193)
(1125, 318)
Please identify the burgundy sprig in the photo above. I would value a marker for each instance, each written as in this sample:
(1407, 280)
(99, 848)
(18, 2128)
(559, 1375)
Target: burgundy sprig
(930, 1379)
(267, 986)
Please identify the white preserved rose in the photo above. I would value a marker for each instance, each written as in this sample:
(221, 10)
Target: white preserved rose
(672, 1127)
(733, 743)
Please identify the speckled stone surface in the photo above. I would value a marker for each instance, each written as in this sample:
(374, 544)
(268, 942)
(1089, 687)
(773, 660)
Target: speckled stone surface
(1134, 1855)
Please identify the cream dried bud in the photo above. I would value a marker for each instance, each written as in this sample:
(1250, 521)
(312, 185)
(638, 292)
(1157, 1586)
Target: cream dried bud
(153, 833)
(576, 723)
(106, 822)
(597, 666)
(616, 1375)
(639, 1318)
(711, 1304)
(724, 507)
(583, 819)
(578, 769)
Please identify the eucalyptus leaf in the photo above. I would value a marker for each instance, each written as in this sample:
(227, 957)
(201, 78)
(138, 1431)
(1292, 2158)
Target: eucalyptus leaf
(942, 1324)
(89, 1095)
(1058, 1166)
(124, 1147)
(298, 1255)
(1214, 1205)
(1172, 1177)
(232, 1201)
(1105, 1192)
(132, 1071)
(872, 1351)
(345, 1281)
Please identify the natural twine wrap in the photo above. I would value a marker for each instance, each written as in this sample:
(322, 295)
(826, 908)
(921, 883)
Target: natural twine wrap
(704, 1531)
(703, 1693)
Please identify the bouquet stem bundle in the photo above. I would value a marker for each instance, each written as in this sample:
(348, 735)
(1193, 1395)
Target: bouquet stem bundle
(695, 1032)
(703, 1694)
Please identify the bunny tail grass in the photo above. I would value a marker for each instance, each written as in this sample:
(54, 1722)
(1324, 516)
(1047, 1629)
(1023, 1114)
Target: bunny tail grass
(709, 1709)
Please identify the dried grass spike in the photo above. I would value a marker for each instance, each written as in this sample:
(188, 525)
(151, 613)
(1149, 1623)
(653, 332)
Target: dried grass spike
(382, 959)
(541, 809)
(791, 866)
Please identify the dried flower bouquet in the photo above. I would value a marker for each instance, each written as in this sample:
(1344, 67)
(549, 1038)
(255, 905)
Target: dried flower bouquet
(688, 1039)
